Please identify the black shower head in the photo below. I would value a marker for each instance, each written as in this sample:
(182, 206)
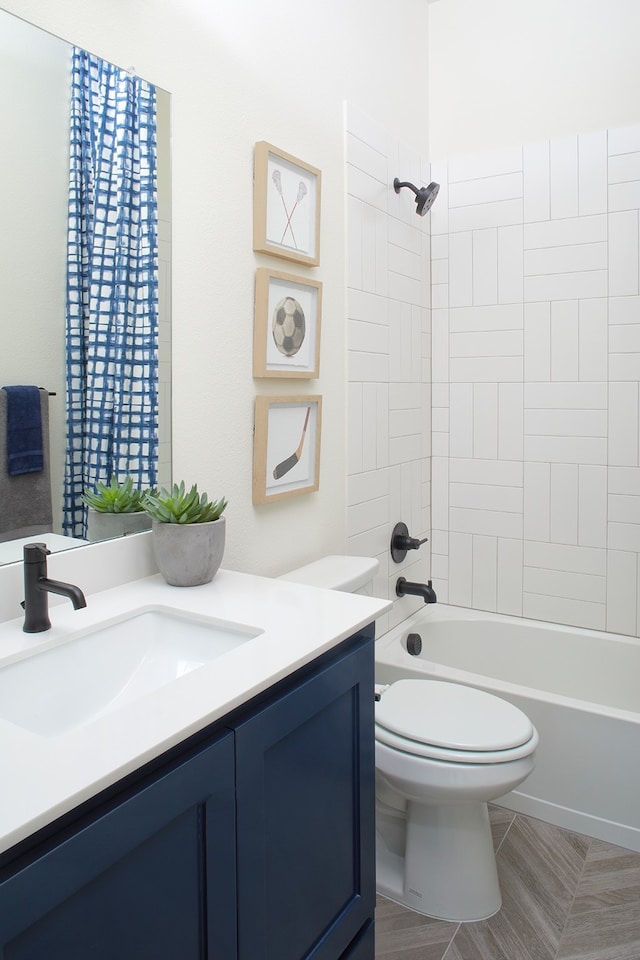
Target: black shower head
(424, 196)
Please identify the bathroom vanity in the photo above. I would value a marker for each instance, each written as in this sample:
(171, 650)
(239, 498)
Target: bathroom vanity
(228, 814)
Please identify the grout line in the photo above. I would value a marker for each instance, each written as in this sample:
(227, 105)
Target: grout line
(513, 818)
(573, 898)
(450, 944)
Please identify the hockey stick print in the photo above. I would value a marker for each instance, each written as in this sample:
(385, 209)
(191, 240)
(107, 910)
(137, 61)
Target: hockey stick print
(291, 461)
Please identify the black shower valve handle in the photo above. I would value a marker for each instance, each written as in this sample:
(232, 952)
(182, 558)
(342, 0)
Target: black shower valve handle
(409, 543)
(401, 542)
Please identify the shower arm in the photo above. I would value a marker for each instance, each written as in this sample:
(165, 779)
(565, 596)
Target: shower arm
(399, 184)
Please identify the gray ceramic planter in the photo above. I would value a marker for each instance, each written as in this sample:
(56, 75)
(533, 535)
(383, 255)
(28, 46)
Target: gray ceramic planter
(188, 554)
(105, 526)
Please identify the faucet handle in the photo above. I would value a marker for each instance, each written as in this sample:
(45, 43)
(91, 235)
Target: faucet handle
(401, 542)
(35, 552)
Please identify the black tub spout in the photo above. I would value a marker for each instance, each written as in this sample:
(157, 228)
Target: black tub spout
(425, 590)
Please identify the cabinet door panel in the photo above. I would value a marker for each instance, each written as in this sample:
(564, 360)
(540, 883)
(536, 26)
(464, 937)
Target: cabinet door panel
(305, 807)
(131, 883)
(364, 947)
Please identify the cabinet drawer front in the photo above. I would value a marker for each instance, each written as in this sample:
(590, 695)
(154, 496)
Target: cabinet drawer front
(306, 835)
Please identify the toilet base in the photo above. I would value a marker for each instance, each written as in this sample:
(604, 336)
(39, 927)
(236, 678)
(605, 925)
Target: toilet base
(448, 870)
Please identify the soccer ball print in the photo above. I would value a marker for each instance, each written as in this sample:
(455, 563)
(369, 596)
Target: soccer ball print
(288, 326)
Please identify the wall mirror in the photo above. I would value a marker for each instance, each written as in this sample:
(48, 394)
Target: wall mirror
(35, 73)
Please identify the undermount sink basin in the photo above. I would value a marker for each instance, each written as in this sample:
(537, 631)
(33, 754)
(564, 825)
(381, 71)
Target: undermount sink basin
(101, 670)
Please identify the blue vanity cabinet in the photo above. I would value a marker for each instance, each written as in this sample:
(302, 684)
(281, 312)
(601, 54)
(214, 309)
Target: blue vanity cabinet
(149, 877)
(252, 841)
(305, 812)
(364, 946)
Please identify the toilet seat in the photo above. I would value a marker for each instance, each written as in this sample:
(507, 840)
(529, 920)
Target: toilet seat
(453, 723)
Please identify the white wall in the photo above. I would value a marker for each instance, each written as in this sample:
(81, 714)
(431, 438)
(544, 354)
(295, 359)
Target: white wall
(163, 135)
(505, 72)
(241, 71)
(389, 355)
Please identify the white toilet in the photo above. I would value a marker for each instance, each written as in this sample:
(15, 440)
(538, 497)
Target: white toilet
(443, 750)
(348, 574)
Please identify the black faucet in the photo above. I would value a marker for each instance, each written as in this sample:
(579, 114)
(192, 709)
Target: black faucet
(424, 590)
(36, 587)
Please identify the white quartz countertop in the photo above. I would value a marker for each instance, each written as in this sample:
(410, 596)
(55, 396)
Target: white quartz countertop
(44, 777)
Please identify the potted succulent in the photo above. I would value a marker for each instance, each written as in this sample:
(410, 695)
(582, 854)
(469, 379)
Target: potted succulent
(115, 509)
(188, 534)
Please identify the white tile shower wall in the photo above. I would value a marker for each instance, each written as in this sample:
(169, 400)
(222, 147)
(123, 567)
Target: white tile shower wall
(389, 356)
(536, 369)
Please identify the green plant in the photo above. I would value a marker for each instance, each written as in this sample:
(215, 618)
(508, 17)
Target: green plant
(115, 498)
(180, 506)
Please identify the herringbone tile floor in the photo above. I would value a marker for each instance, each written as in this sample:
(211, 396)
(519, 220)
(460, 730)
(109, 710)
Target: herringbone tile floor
(565, 897)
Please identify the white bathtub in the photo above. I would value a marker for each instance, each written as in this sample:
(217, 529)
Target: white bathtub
(581, 689)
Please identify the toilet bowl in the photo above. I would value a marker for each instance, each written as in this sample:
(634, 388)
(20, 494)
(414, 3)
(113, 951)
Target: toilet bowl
(443, 751)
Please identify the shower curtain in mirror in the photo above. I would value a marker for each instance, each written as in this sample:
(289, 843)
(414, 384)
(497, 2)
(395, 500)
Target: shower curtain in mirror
(112, 286)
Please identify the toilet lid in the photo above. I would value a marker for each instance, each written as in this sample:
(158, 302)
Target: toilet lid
(452, 716)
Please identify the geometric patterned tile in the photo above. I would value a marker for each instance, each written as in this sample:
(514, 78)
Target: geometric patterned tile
(604, 921)
(500, 819)
(402, 934)
(539, 866)
(564, 897)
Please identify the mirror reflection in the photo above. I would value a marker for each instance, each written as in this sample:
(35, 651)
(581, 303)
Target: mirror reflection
(85, 254)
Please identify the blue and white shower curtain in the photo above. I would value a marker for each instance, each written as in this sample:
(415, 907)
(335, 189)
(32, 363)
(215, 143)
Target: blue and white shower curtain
(112, 283)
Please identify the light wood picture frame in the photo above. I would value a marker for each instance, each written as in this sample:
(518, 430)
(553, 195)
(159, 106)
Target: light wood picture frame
(286, 453)
(286, 206)
(286, 330)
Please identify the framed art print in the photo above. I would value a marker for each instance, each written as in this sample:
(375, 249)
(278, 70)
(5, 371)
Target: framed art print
(286, 456)
(286, 333)
(286, 206)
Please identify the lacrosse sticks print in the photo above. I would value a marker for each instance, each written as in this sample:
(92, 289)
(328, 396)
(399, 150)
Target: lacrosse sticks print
(302, 192)
(276, 176)
(286, 206)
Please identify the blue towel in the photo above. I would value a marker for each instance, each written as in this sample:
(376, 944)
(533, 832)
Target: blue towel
(24, 431)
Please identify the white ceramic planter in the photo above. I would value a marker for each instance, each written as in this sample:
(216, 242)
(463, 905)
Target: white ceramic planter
(189, 554)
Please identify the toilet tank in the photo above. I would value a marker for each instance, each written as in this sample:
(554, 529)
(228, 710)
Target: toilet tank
(348, 574)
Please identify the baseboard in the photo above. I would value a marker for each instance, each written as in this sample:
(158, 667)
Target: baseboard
(576, 820)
